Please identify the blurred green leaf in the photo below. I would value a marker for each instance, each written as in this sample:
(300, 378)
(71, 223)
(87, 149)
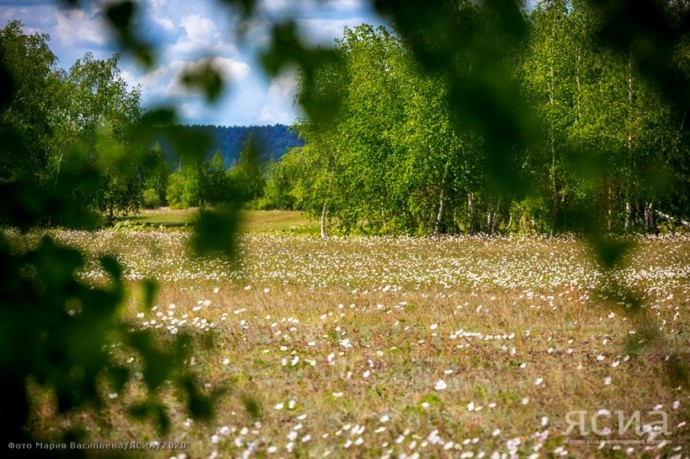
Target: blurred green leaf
(111, 266)
(205, 77)
(153, 410)
(121, 14)
(252, 406)
(200, 405)
(247, 7)
(215, 231)
(677, 370)
(149, 289)
(119, 376)
(287, 51)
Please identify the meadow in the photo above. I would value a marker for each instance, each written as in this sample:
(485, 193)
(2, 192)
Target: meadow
(413, 347)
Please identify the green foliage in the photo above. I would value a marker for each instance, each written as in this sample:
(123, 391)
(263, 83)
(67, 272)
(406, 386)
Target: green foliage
(151, 198)
(217, 229)
(529, 216)
(183, 188)
(278, 187)
(102, 113)
(393, 161)
(215, 184)
(60, 331)
(156, 173)
(608, 133)
(322, 103)
(27, 122)
(246, 178)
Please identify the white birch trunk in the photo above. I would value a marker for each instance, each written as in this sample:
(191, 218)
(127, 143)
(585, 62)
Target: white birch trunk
(324, 211)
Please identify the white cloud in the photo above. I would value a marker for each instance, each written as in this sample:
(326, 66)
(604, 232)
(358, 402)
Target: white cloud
(165, 22)
(277, 6)
(229, 69)
(198, 28)
(277, 106)
(325, 9)
(273, 114)
(189, 110)
(283, 87)
(232, 69)
(76, 26)
(153, 83)
(347, 5)
(165, 81)
(285, 6)
(186, 31)
(129, 78)
(201, 37)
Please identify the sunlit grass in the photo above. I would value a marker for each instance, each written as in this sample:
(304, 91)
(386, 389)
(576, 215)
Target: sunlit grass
(253, 221)
(382, 347)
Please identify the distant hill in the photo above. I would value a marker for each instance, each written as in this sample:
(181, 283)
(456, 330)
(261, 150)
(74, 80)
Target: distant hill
(274, 141)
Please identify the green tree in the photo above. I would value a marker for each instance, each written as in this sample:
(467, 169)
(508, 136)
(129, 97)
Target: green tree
(183, 188)
(549, 80)
(27, 121)
(279, 184)
(393, 159)
(101, 113)
(215, 185)
(246, 178)
(156, 172)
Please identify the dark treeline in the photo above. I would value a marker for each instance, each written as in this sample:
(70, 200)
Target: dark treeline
(273, 140)
(236, 165)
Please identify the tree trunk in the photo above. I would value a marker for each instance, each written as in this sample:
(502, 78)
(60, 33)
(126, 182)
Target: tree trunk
(472, 211)
(494, 220)
(489, 219)
(659, 213)
(324, 211)
(111, 216)
(609, 211)
(578, 96)
(554, 181)
(631, 160)
(649, 220)
(439, 216)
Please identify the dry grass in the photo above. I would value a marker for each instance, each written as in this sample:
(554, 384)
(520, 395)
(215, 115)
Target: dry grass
(371, 347)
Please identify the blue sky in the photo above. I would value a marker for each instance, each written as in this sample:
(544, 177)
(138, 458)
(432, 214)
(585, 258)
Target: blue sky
(186, 31)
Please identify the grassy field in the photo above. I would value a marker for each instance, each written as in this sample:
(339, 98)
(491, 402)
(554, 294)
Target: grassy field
(408, 347)
(253, 220)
